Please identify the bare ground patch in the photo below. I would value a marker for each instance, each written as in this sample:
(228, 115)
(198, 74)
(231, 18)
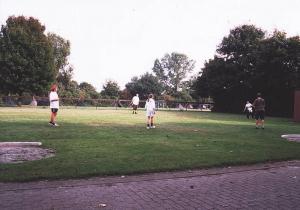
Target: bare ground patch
(292, 137)
(18, 152)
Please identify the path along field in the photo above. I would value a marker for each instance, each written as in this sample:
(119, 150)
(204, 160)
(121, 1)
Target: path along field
(93, 142)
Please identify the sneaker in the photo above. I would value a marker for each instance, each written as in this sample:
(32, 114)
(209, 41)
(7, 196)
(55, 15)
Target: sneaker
(51, 123)
(148, 127)
(55, 124)
(153, 126)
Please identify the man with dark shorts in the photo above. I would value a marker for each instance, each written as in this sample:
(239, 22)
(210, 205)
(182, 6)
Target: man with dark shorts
(135, 103)
(259, 106)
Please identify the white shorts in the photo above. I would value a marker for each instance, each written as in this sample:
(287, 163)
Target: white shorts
(150, 113)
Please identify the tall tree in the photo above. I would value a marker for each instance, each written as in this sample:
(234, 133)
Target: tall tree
(248, 62)
(144, 85)
(67, 87)
(111, 89)
(277, 72)
(61, 51)
(26, 57)
(171, 70)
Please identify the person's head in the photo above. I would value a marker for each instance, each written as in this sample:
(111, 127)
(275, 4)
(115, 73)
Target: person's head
(150, 96)
(258, 95)
(53, 87)
(247, 102)
(137, 95)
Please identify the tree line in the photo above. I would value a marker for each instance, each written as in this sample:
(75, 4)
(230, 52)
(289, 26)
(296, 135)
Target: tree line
(247, 61)
(30, 61)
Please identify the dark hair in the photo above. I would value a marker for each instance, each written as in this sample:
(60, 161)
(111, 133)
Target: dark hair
(149, 96)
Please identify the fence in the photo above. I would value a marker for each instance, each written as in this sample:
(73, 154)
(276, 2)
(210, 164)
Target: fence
(13, 101)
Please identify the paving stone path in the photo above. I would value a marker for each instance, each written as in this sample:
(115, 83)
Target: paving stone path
(262, 186)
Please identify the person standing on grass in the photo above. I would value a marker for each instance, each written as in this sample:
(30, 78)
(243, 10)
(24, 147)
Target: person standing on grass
(150, 111)
(135, 103)
(249, 110)
(54, 104)
(259, 106)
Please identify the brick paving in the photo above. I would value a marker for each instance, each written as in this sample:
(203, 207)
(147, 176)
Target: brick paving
(262, 186)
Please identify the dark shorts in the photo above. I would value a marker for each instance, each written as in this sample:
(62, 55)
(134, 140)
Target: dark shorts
(260, 115)
(134, 107)
(53, 110)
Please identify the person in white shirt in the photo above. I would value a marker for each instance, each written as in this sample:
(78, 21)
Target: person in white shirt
(135, 103)
(249, 110)
(54, 105)
(150, 111)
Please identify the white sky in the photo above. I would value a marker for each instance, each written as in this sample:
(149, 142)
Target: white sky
(119, 39)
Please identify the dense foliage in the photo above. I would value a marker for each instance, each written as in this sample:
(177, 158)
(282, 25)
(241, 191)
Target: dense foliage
(172, 70)
(111, 90)
(26, 57)
(248, 61)
(144, 85)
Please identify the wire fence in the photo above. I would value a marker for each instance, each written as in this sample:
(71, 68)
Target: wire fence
(15, 101)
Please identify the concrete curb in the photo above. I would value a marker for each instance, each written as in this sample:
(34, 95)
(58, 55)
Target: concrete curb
(19, 144)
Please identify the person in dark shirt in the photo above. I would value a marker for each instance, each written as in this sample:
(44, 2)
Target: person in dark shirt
(259, 106)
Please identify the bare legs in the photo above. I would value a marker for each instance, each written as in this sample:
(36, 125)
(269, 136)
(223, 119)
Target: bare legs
(53, 117)
(150, 122)
(261, 123)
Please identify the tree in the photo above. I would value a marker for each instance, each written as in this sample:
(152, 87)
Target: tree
(63, 71)
(111, 90)
(67, 87)
(248, 62)
(61, 51)
(171, 70)
(26, 57)
(277, 72)
(89, 90)
(144, 85)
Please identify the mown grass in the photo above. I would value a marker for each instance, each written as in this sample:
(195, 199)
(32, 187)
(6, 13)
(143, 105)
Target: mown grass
(93, 142)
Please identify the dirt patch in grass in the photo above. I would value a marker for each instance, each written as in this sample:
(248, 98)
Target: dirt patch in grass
(18, 153)
(292, 137)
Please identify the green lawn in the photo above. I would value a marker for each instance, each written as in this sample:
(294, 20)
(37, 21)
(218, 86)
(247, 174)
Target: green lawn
(93, 142)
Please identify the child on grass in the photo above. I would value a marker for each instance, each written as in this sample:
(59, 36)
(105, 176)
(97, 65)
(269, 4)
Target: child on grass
(54, 104)
(150, 111)
(249, 110)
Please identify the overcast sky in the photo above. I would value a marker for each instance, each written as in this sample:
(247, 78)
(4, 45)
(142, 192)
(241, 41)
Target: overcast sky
(119, 39)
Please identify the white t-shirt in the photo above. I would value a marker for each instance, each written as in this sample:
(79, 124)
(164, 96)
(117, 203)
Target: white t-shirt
(135, 100)
(54, 104)
(248, 107)
(150, 107)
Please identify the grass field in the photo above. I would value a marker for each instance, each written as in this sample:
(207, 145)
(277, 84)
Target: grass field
(93, 142)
